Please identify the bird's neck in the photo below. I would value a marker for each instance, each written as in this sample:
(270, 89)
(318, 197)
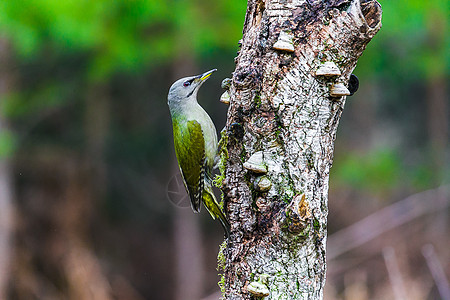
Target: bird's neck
(185, 108)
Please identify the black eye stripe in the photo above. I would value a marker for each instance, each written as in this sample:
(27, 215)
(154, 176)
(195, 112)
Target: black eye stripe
(188, 82)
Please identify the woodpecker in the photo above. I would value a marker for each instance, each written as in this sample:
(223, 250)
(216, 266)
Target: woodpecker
(195, 141)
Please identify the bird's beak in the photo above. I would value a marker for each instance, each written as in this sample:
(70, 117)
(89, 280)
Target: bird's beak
(205, 75)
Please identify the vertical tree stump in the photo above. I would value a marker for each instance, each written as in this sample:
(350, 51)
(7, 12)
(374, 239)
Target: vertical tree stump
(279, 139)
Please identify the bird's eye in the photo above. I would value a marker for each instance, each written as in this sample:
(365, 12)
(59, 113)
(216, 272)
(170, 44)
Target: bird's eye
(186, 83)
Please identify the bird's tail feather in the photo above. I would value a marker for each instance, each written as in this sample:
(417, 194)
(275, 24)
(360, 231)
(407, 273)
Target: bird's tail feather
(214, 209)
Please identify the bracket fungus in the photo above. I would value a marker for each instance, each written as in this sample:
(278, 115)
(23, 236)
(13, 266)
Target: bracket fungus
(262, 184)
(256, 163)
(328, 69)
(284, 42)
(225, 98)
(259, 288)
(339, 90)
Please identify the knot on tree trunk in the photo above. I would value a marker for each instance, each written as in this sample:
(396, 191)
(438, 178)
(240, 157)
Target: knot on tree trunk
(298, 215)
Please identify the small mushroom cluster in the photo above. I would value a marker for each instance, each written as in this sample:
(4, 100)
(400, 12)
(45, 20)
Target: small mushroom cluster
(330, 69)
(257, 165)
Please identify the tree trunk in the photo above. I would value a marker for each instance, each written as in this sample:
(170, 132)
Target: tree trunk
(278, 141)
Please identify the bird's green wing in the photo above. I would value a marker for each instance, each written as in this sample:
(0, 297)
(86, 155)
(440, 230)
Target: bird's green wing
(190, 150)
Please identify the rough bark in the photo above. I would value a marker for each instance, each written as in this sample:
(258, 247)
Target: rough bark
(284, 113)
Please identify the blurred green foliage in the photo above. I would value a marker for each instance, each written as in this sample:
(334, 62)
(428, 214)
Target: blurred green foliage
(413, 43)
(7, 143)
(121, 35)
(369, 171)
(65, 47)
(399, 66)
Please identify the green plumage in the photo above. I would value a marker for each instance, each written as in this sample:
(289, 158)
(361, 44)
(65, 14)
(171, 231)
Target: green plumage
(195, 141)
(190, 151)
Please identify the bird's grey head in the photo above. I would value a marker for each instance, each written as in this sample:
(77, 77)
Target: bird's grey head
(186, 88)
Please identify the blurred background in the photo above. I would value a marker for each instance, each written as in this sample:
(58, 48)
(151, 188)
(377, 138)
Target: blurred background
(91, 204)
